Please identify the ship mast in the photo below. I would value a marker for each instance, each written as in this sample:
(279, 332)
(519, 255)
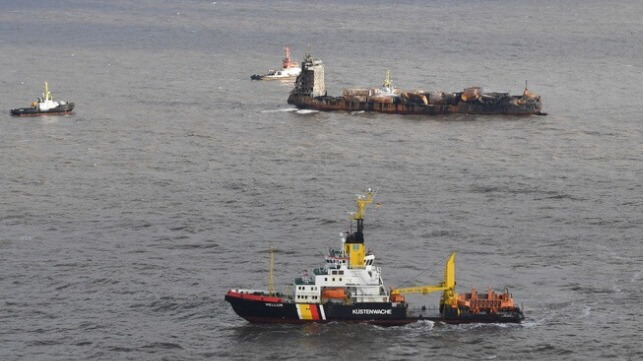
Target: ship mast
(46, 95)
(271, 279)
(526, 92)
(354, 244)
(286, 62)
(387, 87)
(387, 81)
(362, 202)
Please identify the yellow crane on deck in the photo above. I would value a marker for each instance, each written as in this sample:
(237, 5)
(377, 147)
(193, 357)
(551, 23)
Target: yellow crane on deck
(447, 286)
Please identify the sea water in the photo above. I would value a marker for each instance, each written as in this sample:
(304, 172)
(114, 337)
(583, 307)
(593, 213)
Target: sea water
(123, 225)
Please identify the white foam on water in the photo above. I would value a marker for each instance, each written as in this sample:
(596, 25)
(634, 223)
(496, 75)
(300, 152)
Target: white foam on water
(586, 311)
(307, 111)
(281, 110)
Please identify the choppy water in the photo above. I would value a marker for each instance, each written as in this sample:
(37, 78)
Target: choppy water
(122, 226)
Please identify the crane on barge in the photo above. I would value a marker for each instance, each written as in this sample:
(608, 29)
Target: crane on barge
(452, 302)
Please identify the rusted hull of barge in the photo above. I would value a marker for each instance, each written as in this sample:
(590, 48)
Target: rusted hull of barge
(326, 103)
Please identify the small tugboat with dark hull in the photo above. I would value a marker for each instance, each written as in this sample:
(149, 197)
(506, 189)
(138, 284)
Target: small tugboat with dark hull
(44, 105)
(349, 288)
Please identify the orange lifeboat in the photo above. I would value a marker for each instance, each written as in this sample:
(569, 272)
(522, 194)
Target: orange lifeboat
(334, 293)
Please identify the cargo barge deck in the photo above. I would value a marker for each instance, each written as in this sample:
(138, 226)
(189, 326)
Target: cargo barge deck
(310, 93)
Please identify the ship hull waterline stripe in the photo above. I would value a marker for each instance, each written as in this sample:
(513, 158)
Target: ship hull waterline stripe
(40, 114)
(321, 311)
(302, 313)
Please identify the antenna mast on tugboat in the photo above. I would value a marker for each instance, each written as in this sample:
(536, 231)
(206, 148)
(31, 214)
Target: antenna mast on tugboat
(526, 92)
(287, 63)
(387, 81)
(46, 95)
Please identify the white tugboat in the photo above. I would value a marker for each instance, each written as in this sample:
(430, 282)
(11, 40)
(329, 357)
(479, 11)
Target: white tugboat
(290, 70)
(44, 105)
(349, 287)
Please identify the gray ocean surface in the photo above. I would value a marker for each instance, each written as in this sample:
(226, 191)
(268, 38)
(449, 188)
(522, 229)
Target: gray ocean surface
(122, 226)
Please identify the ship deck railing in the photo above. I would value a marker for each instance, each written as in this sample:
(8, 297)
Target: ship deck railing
(424, 311)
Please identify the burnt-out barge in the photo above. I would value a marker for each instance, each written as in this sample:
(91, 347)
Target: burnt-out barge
(310, 93)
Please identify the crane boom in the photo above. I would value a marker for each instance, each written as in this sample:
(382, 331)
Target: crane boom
(419, 289)
(448, 285)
